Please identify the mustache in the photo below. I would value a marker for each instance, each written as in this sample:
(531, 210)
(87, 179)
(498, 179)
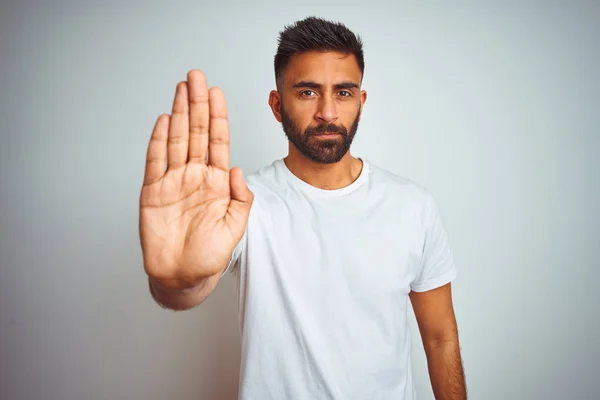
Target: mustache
(326, 128)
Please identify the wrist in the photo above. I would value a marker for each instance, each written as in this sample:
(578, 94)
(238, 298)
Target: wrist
(163, 289)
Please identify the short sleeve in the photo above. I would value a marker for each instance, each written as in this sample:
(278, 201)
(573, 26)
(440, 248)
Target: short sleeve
(437, 262)
(236, 255)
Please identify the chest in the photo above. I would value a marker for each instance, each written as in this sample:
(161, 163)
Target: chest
(359, 249)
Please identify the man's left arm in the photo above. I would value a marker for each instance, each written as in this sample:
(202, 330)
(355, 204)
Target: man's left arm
(435, 317)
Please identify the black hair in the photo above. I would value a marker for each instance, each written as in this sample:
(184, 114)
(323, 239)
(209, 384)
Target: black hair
(316, 34)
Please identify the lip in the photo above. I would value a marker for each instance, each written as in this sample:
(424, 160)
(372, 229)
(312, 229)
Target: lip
(327, 135)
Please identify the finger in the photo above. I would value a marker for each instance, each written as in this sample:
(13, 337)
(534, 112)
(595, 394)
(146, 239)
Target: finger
(179, 129)
(241, 196)
(238, 188)
(218, 142)
(198, 104)
(156, 156)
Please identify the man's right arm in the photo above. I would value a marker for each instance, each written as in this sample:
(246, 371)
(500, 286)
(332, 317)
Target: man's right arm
(194, 208)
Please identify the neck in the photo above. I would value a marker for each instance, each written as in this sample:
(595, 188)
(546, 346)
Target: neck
(325, 176)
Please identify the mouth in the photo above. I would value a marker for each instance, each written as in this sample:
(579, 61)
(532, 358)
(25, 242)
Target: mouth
(327, 135)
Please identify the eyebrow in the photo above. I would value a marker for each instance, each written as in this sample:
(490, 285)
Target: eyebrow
(315, 85)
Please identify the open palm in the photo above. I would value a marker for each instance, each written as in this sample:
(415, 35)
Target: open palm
(193, 208)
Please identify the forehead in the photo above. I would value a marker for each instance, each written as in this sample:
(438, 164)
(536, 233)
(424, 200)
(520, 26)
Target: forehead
(323, 67)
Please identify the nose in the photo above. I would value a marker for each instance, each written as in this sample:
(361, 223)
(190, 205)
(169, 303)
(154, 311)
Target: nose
(327, 111)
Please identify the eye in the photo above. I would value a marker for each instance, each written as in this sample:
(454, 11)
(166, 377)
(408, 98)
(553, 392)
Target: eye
(307, 93)
(345, 93)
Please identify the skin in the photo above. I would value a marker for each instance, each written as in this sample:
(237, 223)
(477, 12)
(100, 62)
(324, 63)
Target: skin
(320, 92)
(310, 100)
(194, 208)
(434, 312)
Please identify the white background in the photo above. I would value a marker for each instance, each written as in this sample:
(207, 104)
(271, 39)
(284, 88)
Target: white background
(495, 108)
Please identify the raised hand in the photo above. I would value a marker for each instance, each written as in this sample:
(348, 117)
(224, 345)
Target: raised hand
(193, 209)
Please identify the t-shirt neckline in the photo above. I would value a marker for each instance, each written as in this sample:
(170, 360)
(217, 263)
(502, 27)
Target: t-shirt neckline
(299, 183)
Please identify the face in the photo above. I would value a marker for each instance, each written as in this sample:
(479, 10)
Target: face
(319, 104)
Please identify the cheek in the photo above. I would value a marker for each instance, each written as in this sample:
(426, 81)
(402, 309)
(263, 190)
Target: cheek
(350, 107)
(303, 109)
(302, 115)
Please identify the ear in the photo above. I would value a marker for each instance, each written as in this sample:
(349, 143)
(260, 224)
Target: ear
(275, 104)
(363, 99)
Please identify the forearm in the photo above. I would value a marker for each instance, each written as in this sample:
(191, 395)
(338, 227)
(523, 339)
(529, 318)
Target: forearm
(445, 370)
(179, 300)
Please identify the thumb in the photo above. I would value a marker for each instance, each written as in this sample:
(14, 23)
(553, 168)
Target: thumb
(241, 196)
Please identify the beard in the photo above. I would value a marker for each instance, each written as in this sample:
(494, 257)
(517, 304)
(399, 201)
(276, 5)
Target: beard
(319, 150)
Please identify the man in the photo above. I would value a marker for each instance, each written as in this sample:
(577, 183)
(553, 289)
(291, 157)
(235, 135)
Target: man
(327, 248)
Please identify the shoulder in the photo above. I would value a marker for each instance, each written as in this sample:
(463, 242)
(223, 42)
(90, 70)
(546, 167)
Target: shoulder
(265, 179)
(395, 184)
(268, 184)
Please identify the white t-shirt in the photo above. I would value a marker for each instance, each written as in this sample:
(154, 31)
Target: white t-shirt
(323, 283)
